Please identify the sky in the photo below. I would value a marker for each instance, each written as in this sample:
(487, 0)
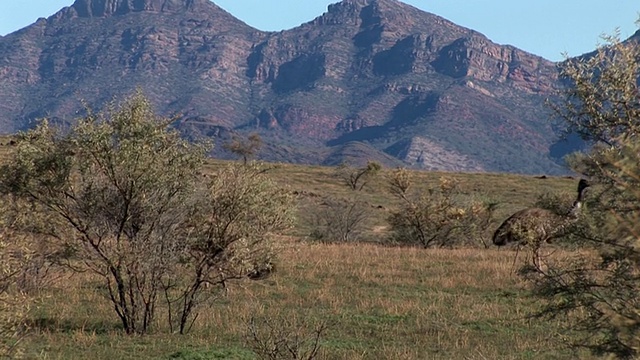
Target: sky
(548, 28)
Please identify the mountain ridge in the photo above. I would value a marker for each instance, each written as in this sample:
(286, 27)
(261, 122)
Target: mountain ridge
(99, 8)
(413, 88)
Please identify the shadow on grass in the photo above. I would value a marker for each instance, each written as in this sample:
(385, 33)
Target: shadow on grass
(207, 354)
(53, 325)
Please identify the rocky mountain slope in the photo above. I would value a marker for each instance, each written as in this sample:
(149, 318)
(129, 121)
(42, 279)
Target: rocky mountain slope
(368, 79)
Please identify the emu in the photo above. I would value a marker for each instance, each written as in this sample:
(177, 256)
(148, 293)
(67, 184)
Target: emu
(534, 226)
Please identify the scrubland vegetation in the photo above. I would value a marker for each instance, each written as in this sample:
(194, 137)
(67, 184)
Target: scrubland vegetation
(370, 298)
(120, 240)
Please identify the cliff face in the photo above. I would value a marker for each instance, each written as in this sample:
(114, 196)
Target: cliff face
(100, 8)
(412, 88)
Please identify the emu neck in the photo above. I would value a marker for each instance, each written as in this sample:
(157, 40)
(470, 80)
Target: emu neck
(577, 205)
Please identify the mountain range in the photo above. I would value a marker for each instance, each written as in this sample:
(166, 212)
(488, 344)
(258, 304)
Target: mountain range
(367, 80)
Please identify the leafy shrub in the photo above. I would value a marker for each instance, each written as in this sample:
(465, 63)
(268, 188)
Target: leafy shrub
(340, 220)
(123, 193)
(597, 296)
(438, 217)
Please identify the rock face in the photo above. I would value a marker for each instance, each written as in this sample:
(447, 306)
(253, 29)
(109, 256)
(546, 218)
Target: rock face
(374, 79)
(429, 155)
(99, 8)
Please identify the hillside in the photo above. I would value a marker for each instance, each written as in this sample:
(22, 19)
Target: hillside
(368, 79)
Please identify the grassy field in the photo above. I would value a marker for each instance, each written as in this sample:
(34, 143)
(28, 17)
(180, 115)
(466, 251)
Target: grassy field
(377, 302)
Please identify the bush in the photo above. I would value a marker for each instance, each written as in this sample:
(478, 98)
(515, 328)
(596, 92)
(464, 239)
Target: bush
(230, 234)
(124, 195)
(340, 220)
(438, 217)
(597, 296)
(283, 337)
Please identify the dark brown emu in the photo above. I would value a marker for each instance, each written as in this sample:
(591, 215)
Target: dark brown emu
(534, 226)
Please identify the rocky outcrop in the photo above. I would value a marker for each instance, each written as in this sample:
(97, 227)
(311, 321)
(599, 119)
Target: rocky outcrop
(428, 154)
(100, 8)
(478, 58)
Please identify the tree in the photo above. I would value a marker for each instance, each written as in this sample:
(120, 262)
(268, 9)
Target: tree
(598, 295)
(246, 148)
(122, 194)
(357, 178)
(601, 101)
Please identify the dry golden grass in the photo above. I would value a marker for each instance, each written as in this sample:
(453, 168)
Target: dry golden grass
(379, 303)
(313, 183)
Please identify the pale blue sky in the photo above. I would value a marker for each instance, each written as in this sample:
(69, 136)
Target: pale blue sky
(543, 27)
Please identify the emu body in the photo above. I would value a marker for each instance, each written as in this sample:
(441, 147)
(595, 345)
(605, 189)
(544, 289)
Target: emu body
(536, 225)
